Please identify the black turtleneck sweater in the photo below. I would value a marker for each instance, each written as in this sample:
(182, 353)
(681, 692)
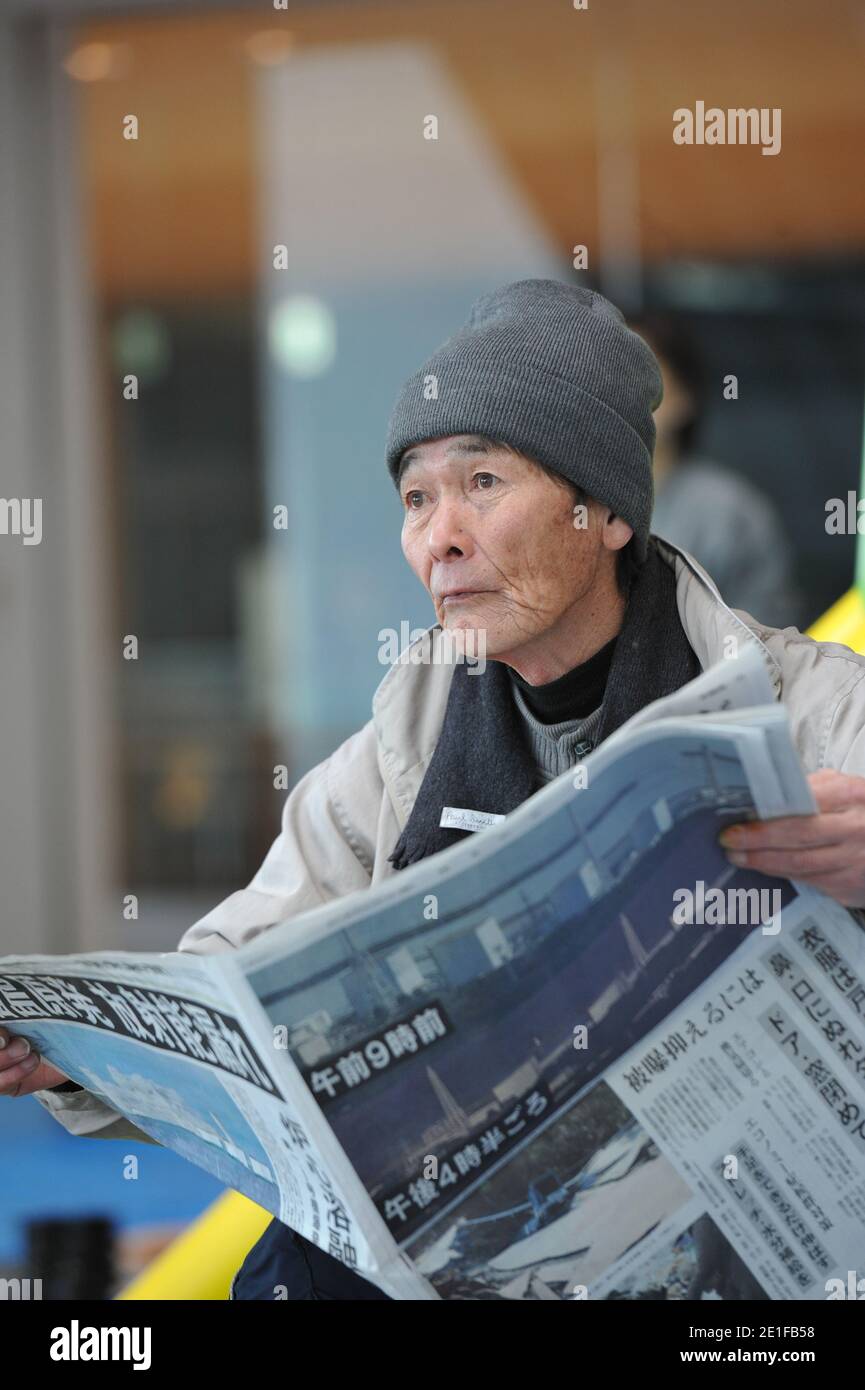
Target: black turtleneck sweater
(573, 695)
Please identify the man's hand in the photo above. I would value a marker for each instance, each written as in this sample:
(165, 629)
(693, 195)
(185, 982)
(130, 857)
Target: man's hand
(22, 1070)
(826, 850)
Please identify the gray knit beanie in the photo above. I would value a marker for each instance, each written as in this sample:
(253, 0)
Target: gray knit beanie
(553, 370)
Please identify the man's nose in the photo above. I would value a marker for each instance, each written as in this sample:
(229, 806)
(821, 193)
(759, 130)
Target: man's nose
(448, 529)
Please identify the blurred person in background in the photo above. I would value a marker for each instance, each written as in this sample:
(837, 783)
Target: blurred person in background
(714, 513)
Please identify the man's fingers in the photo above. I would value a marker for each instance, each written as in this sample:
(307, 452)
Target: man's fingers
(792, 832)
(805, 863)
(834, 790)
(12, 1077)
(14, 1051)
(841, 816)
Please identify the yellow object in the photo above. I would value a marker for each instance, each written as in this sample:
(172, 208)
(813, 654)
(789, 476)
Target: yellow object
(201, 1263)
(843, 622)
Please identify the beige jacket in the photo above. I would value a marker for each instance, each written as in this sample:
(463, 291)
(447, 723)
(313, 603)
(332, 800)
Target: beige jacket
(343, 818)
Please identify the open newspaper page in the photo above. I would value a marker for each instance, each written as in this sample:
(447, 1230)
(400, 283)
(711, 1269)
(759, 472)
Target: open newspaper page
(574, 1056)
(556, 1057)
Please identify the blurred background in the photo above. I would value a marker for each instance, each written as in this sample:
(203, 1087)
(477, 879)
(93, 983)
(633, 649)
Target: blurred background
(264, 382)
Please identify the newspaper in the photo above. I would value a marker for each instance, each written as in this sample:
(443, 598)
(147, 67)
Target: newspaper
(578, 1055)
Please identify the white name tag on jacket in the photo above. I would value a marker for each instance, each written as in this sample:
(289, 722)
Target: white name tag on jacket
(458, 818)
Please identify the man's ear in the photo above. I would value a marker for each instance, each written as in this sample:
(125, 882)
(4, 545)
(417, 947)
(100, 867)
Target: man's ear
(617, 532)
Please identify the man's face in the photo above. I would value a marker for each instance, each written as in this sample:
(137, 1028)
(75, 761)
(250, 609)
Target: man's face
(492, 538)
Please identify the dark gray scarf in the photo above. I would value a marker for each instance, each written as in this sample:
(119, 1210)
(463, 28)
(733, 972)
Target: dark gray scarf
(482, 760)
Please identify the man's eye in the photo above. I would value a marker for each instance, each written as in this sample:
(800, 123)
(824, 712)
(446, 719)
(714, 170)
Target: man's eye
(413, 499)
(480, 480)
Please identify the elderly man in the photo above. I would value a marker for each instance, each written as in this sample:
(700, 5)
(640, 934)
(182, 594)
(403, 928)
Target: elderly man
(522, 452)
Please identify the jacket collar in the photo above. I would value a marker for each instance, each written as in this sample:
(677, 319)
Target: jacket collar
(409, 705)
(708, 621)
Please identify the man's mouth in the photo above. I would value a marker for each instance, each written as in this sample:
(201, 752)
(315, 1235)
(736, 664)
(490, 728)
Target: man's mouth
(460, 595)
